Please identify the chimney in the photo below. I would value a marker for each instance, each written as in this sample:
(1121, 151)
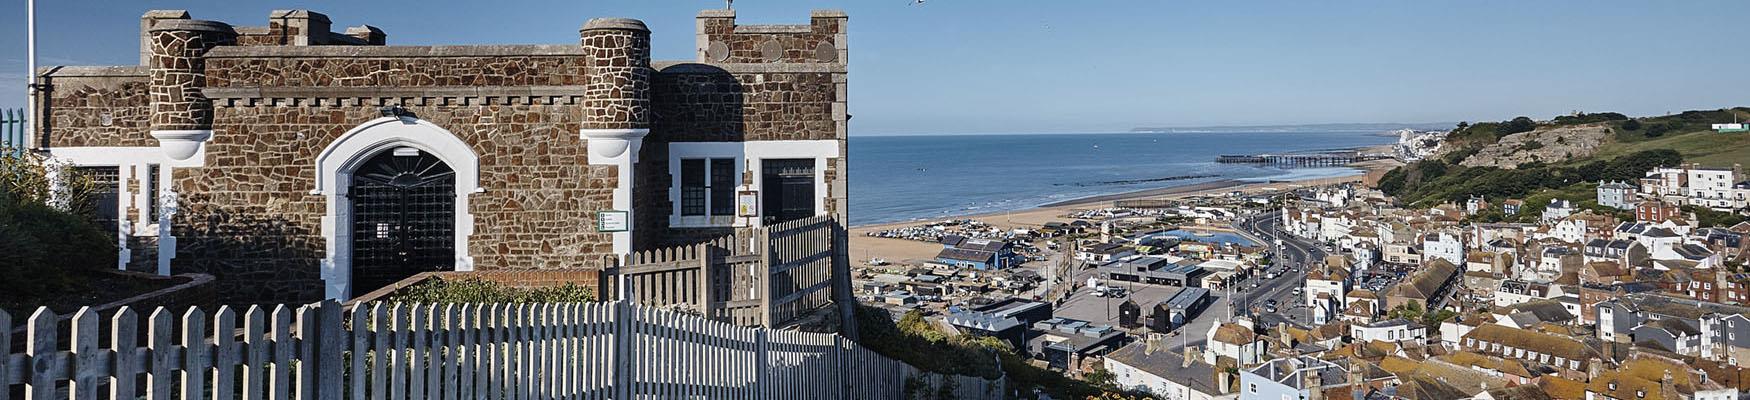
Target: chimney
(1190, 354)
(1222, 378)
(298, 27)
(1314, 383)
(1667, 390)
(370, 34)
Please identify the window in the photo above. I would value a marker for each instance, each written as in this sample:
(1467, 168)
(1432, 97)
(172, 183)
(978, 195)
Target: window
(104, 197)
(151, 190)
(1253, 388)
(708, 186)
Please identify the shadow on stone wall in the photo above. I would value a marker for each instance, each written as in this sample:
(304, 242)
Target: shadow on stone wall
(692, 103)
(255, 256)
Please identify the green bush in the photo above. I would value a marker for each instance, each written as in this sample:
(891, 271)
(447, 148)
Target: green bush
(476, 290)
(1631, 125)
(915, 342)
(1589, 118)
(1661, 129)
(48, 241)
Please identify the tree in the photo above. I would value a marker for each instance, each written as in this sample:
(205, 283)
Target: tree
(1631, 125)
(1516, 125)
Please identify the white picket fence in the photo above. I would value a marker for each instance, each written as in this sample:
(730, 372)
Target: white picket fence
(378, 351)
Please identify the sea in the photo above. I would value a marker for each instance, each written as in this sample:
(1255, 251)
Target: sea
(926, 177)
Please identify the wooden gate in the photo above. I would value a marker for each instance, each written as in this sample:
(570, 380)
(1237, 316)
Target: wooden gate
(756, 277)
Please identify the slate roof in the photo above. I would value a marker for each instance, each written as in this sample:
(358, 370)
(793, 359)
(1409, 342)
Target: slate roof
(1425, 282)
(966, 255)
(1168, 365)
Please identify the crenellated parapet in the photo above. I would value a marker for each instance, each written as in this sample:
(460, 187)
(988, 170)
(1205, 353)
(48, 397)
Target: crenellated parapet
(822, 40)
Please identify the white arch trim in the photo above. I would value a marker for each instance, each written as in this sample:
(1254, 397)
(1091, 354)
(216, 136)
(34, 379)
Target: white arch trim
(334, 167)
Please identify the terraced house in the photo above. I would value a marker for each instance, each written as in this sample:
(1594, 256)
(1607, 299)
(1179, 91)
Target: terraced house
(296, 162)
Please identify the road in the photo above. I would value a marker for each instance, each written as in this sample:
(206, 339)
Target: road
(1291, 308)
(1294, 253)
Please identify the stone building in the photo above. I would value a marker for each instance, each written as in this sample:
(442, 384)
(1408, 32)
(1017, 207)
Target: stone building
(294, 162)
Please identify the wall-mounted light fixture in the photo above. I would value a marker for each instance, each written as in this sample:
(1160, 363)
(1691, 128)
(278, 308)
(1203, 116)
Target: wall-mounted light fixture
(394, 111)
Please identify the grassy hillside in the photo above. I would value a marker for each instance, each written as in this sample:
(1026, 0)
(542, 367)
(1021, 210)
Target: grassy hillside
(1689, 134)
(1634, 146)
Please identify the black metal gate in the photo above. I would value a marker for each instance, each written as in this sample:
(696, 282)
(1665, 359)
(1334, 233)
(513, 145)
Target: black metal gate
(403, 218)
(789, 189)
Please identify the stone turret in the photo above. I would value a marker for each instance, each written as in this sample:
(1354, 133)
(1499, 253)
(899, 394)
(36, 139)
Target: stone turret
(616, 104)
(618, 93)
(182, 117)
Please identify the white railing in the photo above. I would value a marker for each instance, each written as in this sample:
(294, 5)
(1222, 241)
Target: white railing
(380, 351)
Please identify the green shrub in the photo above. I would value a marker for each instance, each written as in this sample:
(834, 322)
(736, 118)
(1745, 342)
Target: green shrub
(1631, 125)
(1589, 118)
(48, 241)
(476, 290)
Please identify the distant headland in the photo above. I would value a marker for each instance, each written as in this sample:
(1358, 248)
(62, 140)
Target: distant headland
(1336, 127)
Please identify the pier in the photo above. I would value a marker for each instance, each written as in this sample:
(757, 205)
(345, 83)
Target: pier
(1334, 159)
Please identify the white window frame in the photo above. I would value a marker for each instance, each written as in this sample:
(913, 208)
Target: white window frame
(739, 163)
(748, 157)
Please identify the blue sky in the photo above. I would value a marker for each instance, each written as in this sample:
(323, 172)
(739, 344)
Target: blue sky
(964, 66)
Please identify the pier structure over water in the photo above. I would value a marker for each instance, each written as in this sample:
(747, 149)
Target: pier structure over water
(1326, 159)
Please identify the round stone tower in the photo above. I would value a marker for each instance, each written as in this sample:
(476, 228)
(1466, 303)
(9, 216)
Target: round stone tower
(182, 118)
(618, 93)
(616, 108)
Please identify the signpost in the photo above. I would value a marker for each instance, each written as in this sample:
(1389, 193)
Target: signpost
(613, 221)
(747, 204)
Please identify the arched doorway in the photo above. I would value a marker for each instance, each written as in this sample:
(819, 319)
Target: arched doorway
(403, 217)
(369, 159)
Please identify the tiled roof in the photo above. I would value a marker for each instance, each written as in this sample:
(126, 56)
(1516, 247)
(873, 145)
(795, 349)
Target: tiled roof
(1531, 340)
(1234, 334)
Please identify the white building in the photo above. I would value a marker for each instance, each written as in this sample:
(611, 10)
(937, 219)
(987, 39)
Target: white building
(1234, 340)
(1616, 195)
(1713, 187)
(1391, 330)
(1152, 369)
(1443, 245)
(1557, 210)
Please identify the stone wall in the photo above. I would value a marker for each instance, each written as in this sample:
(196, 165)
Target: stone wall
(400, 66)
(248, 216)
(98, 106)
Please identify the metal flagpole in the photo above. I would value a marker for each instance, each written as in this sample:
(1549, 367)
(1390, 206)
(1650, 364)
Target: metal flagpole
(30, 64)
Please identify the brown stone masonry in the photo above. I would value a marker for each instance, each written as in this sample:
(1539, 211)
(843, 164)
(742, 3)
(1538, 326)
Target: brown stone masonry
(179, 71)
(250, 217)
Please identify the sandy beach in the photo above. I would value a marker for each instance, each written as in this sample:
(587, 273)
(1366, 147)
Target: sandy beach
(864, 247)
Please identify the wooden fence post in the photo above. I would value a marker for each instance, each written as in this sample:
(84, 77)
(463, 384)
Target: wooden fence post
(329, 351)
(705, 285)
(623, 379)
(762, 376)
(764, 275)
(40, 347)
(841, 276)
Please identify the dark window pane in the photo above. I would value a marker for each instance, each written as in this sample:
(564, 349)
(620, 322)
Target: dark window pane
(723, 176)
(104, 199)
(693, 187)
(152, 193)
